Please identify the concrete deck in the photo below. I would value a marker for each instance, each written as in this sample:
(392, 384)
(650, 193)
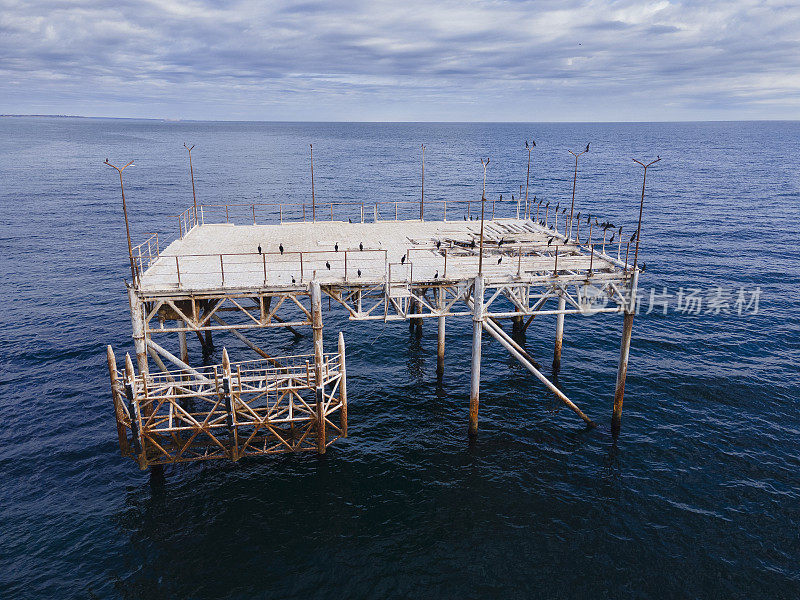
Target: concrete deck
(225, 256)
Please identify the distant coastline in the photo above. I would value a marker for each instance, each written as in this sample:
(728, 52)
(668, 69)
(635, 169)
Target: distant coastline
(85, 117)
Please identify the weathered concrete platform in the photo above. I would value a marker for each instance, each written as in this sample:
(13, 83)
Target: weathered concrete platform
(227, 256)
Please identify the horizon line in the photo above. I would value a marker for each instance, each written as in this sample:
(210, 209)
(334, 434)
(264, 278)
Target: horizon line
(410, 122)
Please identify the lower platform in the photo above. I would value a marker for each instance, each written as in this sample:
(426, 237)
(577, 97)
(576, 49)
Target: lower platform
(230, 410)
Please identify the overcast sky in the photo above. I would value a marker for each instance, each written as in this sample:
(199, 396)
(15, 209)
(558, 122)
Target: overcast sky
(565, 60)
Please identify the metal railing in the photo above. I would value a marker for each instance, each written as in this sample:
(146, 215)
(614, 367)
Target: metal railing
(299, 265)
(146, 253)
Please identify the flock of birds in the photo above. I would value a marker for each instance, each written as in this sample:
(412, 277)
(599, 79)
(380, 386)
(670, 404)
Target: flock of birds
(590, 220)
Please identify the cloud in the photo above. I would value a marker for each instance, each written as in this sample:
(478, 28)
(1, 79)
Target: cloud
(456, 60)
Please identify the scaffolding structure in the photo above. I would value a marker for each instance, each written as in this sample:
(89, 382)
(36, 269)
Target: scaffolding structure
(238, 268)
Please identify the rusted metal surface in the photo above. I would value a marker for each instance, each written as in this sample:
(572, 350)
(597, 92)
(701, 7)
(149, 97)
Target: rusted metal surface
(234, 409)
(475, 373)
(622, 372)
(316, 324)
(116, 395)
(562, 304)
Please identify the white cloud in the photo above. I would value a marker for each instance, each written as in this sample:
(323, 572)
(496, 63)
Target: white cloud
(465, 60)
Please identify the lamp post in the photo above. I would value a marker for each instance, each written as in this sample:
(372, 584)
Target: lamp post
(574, 181)
(483, 204)
(191, 173)
(528, 176)
(641, 208)
(313, 200)
(125, 213)
(422, 197)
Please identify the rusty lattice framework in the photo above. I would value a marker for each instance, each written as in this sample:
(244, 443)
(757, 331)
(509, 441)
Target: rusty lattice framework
(257, 407)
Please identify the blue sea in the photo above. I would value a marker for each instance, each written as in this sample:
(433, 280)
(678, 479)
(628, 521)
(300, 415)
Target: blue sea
(699, 497)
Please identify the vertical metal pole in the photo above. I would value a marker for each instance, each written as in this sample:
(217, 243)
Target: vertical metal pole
(574, 181)
(316, 325)
(342, 386)
(137, 323)
(133, 409)
(125, 214)
(528, 177)
(622, 372)
(641, 208)
(562, 304)
(440, 340)
(475, 382)
(227, 391)
(191, 172)
(483, 203)
(313, 199)
(184, 347)
(209, 341)
(122, 435)
(422, 197)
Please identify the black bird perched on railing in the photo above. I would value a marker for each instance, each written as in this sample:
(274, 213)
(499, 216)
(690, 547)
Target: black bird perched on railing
(550, 241)
(612, 238)
(500, 242)
(587, 148)
(436, 275)
(403, 259)
(281, 248)
(472, 243)
(328, 265)
(619, 231)
(438, 244)
(633, 237)
(259, 248)
(359, 272)
(643, 267)
(293, 281)
(465, 217)
(361, 246)
(336, 247)
(499, 260)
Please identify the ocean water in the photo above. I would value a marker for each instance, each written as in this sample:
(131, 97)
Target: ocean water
(698, 498)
